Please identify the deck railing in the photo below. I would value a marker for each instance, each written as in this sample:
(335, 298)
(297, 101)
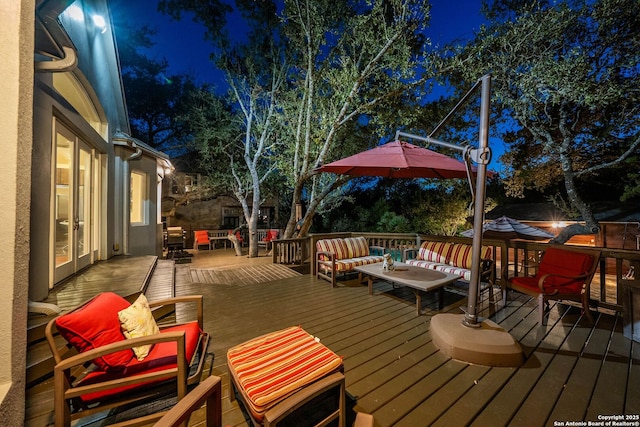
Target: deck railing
(614, 285)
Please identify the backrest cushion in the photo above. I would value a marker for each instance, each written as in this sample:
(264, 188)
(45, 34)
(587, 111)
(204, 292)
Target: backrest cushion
(96, 324)
(337, 246)
(434, 251)
(357, 247)
(461, 255)
(566, 263)
(202, 236)
(137, 321)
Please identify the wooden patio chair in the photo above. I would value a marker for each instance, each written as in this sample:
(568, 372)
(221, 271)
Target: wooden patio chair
(98, 368)
(268, 238)
(564, 273)
(208, 392)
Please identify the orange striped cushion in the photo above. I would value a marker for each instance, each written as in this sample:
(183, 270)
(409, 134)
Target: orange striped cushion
(461, 255)
(269, 368)
(357, 246)
(434, 251)
(336, 246)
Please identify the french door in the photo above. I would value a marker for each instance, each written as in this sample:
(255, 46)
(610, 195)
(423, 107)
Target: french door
(74, 203)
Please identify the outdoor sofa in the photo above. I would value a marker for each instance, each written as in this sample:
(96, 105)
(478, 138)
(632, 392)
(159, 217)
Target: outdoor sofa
(453, 258)
(342, 255)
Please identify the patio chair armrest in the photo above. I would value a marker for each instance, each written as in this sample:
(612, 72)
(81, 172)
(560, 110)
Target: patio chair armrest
(330, 256)
(186, 299)
(544, 277)
(209, 391)
(487, 269)
(127, 344)
(406, 252)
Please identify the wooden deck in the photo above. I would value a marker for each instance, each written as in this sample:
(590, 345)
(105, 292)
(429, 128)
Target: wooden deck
(573, 371)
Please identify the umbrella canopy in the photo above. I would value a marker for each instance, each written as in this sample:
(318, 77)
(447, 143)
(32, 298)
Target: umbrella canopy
(398, 159)
(509, 228)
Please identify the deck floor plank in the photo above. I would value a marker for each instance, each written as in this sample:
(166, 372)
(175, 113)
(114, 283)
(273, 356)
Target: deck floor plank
(392, 368)
(612, 379)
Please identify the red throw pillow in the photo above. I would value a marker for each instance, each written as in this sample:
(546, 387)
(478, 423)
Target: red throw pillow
(96, 324)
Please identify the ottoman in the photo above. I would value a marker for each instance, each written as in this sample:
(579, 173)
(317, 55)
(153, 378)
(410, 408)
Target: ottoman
(283, 371)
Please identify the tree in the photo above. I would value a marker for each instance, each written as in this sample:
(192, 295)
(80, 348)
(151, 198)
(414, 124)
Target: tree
(565, 76)
(345, 63)
(354, 60)
(155, 99)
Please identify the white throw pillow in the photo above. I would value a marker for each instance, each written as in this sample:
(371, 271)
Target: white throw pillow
(137, 321)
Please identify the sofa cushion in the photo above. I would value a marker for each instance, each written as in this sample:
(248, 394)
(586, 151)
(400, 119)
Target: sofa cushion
(96, 324)
(356, 247)
(424, 264)
(336, 246)
(162, 356)
(434, 251)
(271, 367)
(446, 268)
(461, 255)
(137, 321)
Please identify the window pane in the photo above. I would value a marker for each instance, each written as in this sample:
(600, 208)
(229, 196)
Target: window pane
(138, 198)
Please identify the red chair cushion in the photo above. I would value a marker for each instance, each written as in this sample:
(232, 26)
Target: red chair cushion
(201, 236)
(565, 263)
(96, 324)
(162, 356)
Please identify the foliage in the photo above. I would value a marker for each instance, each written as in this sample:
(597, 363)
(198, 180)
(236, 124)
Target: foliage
(154, 98)
(565, 78)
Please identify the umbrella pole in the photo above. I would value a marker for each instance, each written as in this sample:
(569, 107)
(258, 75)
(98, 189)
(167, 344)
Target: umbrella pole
(470, 317)
(485, 342)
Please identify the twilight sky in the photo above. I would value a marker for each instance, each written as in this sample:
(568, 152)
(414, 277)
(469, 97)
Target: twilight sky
(183, 45)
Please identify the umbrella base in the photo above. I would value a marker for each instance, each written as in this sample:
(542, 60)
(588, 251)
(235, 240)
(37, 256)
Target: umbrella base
(488, 345)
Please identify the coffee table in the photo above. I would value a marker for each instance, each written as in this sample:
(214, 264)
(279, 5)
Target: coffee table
(417, 278)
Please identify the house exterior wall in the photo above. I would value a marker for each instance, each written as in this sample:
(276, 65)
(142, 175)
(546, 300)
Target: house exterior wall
(16, 86)
(98, 73)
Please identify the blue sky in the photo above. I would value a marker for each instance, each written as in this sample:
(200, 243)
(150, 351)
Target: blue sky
(182, 43)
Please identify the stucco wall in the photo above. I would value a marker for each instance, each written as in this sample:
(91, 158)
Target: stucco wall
(16, 86)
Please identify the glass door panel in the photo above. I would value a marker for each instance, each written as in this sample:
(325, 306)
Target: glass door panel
(63, 202)
(83, 205)
(73, 204)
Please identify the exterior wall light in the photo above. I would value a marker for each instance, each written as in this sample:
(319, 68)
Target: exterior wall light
(98, 21)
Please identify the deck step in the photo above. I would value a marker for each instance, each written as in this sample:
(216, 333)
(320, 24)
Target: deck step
(39, 359)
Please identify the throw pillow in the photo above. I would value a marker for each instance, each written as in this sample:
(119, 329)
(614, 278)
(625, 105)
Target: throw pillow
(137, 321)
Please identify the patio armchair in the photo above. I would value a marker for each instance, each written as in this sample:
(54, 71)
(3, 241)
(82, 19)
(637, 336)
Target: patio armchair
(268, 238)
(564, 273)
(115, 354)
(201, 238)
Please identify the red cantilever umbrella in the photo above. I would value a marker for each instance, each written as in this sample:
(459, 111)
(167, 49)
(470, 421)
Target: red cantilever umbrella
(398, 159)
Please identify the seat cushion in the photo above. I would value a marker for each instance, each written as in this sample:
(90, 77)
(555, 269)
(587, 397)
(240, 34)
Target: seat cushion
(96, 324)
(269, 368)
(356, 247)
(434, 251)
(336, 246)
(162, 356)
(461, 255)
